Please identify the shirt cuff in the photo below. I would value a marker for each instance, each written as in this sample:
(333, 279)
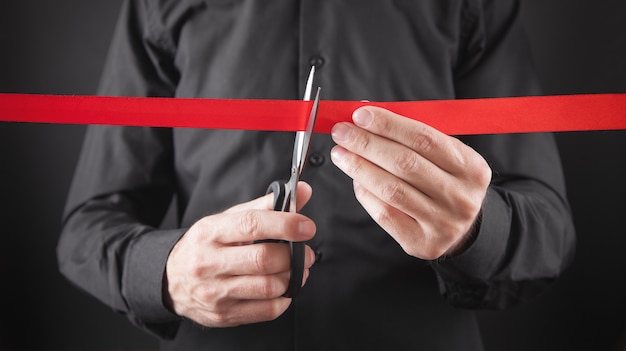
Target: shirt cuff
(143, 276)
(480, 261)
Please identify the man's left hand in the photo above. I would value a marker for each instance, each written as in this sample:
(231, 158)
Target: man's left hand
(423, 187)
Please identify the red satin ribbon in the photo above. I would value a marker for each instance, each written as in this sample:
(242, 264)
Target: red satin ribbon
(457, 117)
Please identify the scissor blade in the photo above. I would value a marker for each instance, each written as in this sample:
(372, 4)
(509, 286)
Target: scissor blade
(309, 85)
(310, 124)
(303, 138)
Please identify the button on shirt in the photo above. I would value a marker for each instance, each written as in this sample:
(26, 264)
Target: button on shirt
(364, 292)
(316, 160)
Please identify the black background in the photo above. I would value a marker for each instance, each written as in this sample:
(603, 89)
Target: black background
(58, 47)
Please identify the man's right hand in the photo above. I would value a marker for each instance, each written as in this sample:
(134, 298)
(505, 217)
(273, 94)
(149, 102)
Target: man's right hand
(218, 276)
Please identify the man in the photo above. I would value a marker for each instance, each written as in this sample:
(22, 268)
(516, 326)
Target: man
(407, 229)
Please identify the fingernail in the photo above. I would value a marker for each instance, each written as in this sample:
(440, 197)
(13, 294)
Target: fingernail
(305, 276)
(341, 132)
(307, 228)
(336, 155)
(362, 117)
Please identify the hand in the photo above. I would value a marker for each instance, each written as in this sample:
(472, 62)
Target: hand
(421, 186)
(217, 276)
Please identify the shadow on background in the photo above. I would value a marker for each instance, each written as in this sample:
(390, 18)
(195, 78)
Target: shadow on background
(58, 47)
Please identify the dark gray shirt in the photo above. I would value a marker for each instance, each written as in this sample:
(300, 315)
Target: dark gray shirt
(364, 292)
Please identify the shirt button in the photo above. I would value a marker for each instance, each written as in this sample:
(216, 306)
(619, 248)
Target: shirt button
(317, 61)
(316, 160)
(318, 256)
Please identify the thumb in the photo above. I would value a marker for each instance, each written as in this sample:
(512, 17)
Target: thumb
(266, 202)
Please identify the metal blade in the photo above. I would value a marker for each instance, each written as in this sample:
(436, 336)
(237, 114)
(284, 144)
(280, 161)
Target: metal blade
(303, 138)
(309, 85)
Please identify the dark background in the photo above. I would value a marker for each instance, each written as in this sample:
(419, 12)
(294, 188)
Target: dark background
(58, 47)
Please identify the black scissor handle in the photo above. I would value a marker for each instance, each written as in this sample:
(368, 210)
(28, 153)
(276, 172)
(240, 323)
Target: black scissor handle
(281, 203)
(281, 197)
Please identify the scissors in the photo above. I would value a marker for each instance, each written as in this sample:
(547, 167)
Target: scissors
(285, 191)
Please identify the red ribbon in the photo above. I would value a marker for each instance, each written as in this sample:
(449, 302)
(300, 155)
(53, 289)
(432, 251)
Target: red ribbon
(559, 113)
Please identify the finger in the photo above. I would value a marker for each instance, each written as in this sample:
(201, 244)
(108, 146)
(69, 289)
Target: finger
(241, 312)
(393, 157)
(260, 311)
(303, 194)
(385, 186)
(260, 259)
(259, 287)
(234, 228)
(446, 152)
(256, 287)
(414, 236)
(266, 202)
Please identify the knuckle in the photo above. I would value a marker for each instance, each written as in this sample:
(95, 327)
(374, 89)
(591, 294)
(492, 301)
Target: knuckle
(261, 259)
(249, 223)
(467, 206)
(269, 289)
(394, 193)
(382, 120)
(210, 295)
(478, 170)
(423, 142)
(275, 309)
(406, 162)
(196, 234)
(221, 319)
(361, 142)
(196, 271)
(385, 219)
(194, 265)
(354, 167)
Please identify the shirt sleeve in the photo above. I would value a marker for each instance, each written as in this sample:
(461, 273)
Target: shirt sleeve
(110, 245)
(526, 236)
